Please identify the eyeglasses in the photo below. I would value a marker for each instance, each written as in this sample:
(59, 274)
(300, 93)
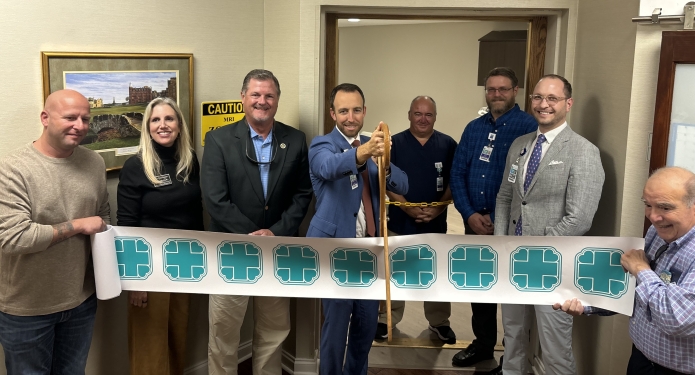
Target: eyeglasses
(549, 99)
(502, 90)
(274, 152)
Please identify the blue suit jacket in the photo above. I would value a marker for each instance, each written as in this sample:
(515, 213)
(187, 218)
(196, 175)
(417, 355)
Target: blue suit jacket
(332, 161)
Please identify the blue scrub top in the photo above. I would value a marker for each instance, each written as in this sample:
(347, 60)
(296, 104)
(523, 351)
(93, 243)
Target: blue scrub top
(418, 162)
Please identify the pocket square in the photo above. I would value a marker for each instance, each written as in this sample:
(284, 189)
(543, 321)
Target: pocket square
(555, 162)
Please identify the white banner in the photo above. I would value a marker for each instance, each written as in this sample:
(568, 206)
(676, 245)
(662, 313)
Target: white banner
(425, 267)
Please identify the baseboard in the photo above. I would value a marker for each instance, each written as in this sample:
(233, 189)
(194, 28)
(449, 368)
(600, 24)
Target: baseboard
(299, 366)
(245, 350)
(201, 368)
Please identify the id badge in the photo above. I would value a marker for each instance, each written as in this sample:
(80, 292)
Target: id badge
(440, 183)
(164, 180)
(485, 155)
(512, 173)
(353, 181)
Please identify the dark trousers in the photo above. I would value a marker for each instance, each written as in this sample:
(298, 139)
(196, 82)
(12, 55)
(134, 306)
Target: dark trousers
(55, 343)
(641, 365)
(483, 321)
(351, 319)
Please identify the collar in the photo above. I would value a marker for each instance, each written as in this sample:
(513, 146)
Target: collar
(348, 139)
(684, 239)
(269, 138)
(551, 135)
(492, 121)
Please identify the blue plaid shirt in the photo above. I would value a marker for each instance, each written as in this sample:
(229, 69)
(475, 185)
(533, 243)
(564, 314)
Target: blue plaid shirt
(662, 325)
(475, 183)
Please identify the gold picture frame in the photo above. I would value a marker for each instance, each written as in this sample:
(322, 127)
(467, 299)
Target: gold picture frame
(117, 108)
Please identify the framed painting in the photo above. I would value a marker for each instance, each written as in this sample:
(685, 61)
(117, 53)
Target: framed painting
(118, 87)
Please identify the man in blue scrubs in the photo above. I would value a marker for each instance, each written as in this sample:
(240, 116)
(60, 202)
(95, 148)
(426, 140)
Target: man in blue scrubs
(426, 156)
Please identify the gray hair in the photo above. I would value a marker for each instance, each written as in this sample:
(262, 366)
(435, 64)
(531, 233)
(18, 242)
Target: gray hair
(689, 197)
(259, 75)
(688, 182)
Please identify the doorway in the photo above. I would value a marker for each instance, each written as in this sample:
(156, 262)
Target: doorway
(395, 59)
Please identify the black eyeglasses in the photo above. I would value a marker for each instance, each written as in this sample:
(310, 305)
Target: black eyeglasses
(501, 90)
(273, 152)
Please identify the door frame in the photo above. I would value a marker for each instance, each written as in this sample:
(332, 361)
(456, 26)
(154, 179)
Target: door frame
(677, 47)
(535, 47)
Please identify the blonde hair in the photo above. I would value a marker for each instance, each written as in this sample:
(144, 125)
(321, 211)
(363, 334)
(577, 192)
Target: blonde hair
(151, 162)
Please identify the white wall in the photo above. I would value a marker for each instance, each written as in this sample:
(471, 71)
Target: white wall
(393, 64)
(226, 39)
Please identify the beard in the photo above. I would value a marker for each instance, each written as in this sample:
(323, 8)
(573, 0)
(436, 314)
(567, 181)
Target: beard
(500, 106)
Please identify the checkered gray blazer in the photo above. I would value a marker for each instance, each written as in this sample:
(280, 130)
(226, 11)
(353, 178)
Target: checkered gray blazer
(564, 193)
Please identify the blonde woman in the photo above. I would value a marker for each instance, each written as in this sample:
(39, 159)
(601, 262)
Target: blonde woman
(160, 188)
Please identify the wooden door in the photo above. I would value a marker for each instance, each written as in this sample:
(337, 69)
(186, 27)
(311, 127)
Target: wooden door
(673, 138)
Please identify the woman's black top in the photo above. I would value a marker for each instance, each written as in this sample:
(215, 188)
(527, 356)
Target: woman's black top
(172, 204)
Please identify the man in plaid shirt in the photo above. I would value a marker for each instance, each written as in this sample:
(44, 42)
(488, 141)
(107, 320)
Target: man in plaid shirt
(476, 174)
(662, 325)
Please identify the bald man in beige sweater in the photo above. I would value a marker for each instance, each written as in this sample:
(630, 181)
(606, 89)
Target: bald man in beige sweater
(52, 198)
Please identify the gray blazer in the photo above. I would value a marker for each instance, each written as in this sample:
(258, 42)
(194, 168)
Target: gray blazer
(564, 193)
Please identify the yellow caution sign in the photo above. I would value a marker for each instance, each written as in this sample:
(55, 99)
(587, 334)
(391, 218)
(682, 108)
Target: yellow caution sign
(218, 114)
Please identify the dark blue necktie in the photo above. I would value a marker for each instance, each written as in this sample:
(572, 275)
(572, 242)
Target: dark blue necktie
(533, 164)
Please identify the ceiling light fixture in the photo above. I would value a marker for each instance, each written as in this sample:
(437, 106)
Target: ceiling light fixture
(353, 20)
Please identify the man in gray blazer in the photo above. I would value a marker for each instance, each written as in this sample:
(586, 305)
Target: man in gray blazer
(551, 187)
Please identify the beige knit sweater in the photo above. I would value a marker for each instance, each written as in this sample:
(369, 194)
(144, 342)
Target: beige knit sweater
(36, 192)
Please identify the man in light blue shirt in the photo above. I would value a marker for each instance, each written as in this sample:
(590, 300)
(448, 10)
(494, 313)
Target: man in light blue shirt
(662, 326)
(255, 180)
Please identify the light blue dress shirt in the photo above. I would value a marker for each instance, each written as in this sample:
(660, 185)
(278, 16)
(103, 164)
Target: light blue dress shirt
(263, 149)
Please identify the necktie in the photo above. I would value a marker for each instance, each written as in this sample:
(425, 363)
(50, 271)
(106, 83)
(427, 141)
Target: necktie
(367, 198)
(660, 251)
(533, 164)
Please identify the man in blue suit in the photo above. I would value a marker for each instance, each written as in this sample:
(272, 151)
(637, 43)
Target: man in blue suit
(345, 180)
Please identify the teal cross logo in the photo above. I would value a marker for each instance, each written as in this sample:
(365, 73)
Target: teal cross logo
(535, 268)
(353, 267)
(413, 266)
(134, 257)
(240, 262)
(296, 264)
(184, 259)
(598, 271)
(472, 267)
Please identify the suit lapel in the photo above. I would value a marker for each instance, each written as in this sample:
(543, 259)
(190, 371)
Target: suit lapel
(244, 142)
(340, 140)
(280, 147)
(558, 144)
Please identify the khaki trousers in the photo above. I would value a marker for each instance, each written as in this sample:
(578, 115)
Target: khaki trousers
(157, 334)
(271, 317)
(437, 313)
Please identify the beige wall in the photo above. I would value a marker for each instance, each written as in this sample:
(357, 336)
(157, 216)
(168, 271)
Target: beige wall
(641, 123)
(602, 85)
(594, 49)
(393, 64)
(225, 38)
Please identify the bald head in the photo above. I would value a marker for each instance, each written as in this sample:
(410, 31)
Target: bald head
(422, 116)
(669, 199)
(678, 178)
(65, 119)
(61, 97)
